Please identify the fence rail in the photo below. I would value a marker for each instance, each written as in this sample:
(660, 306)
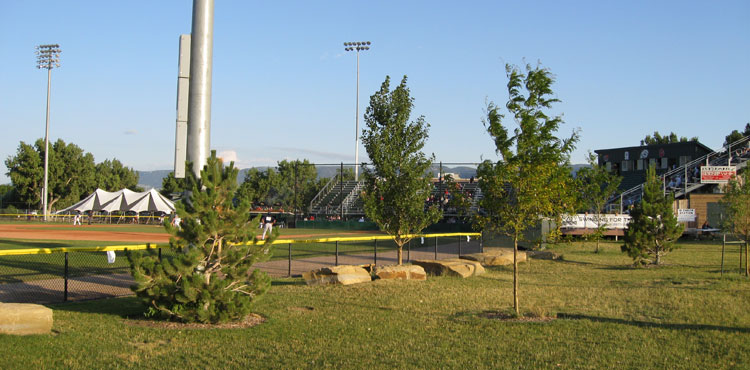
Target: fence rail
(49, 275)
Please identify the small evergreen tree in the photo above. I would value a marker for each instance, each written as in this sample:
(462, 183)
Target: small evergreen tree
(209, 279)
(653, 228)
(736, 203)
(396, 187)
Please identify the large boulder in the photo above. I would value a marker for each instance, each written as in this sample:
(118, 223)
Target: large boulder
(25, 319)
(401, 272)
(545, 255)
(495, 257)
(451, 267)
(343, 274)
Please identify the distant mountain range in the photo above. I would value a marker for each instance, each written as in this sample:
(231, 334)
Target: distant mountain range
(153, 179)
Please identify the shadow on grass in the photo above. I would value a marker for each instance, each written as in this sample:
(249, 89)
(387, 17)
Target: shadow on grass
(124, 307)
(29, 244)
(647, 324)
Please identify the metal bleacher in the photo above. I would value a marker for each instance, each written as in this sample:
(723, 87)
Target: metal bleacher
(345, 198)
(736, 154)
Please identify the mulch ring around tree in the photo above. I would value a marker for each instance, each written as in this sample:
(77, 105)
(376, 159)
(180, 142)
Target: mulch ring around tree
(509, 317)
(248, 322)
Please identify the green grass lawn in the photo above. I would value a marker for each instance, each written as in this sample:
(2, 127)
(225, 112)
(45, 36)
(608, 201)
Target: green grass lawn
(608, 315)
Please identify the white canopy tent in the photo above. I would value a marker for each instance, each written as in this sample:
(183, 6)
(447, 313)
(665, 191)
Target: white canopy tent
(124, 200)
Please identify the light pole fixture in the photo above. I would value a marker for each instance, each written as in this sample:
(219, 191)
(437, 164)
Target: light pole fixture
(47, 57)
(356, 46)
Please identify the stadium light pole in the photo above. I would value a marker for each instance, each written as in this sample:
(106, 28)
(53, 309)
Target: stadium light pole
(358, 46)
(47, 57)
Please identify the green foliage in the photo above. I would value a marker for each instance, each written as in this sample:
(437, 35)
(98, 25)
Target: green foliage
(172, 185)
(113, 175)
(292, 185)
(653, 228)
(396, 187)
(72, 174)
(596, 185)
(736, 204)
(459, 203)
(737, 135)
(532, 178)
(210, 279)
(666, 139)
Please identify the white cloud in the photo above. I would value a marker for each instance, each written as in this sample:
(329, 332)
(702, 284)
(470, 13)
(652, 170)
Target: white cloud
(130, 132)
(228, 156)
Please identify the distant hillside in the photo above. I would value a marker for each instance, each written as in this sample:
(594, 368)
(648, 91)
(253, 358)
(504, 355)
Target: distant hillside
(153, 179)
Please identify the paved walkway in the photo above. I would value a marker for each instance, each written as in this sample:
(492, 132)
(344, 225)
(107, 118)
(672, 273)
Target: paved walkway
(116, 285)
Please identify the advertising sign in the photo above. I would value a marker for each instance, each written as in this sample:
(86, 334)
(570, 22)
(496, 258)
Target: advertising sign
(589, 221)
(686, 215)
(717, 174)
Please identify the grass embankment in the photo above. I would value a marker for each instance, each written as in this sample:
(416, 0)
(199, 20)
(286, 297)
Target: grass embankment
(609, 315)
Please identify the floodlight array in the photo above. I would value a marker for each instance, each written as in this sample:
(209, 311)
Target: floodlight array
(358, 46)
(48, 56)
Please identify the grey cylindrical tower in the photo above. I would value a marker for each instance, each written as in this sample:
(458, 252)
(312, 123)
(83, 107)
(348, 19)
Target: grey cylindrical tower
(199, 103)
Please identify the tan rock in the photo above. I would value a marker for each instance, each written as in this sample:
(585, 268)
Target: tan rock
(451, 267)
(544, 255)
(344, 275)
(25, 319)
(495, 257)
(401, 272)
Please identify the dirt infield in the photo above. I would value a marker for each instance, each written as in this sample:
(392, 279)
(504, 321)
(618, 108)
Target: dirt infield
(86, 232)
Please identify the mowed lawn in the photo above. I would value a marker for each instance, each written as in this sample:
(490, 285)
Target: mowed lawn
(607, 315)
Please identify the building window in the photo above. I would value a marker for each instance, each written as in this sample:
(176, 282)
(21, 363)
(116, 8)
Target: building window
(627, 166)
(640, 165)
(665, 163)
(652, 162)
(609, 166)
(685, 159)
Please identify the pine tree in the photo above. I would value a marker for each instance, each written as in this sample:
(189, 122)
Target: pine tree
(209, 279)
(653, 228)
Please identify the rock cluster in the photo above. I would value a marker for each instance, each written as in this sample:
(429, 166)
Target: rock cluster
(451, 267)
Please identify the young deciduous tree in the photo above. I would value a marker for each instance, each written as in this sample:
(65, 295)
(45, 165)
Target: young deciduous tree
(596, 185)
(396, 187)
(210, 278)
(653, 228)
(736, 203)
(532, 178)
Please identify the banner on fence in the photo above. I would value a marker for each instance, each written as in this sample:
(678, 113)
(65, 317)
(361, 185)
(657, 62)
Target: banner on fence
(589, 221)
(717, 174)
(686, 215)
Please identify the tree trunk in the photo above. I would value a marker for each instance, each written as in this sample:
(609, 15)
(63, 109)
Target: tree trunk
(597, 245)
(747, 259)
(515, 275)
(400, 254)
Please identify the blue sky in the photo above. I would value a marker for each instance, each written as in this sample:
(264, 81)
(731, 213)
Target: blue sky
(284, 88)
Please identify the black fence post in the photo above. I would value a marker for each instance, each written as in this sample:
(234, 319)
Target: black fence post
(289, 272)
(65, 278)
(436, 247)
(481, 242)
(375, 245)
(459, 246)
(408, 251)
(723, 244)
(337, 252)
(159, 254)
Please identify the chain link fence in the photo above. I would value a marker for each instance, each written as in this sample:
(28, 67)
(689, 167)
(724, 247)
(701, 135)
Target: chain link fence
(72, 274)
